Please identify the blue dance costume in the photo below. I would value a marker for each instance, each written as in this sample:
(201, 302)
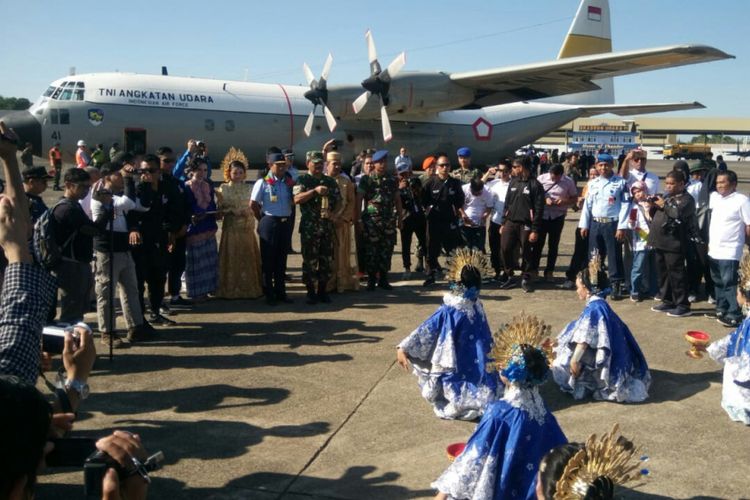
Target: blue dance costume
(448, 353)
(734, 352)
(613, 366)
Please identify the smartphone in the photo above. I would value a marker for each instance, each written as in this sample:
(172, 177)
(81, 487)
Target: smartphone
(53, 338)
(70, 452)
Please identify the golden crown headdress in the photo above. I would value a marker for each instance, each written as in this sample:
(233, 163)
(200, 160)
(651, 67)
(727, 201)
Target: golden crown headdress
(522, 329)
(462, 257)
(595, 265)
(745, 272)
(234, 154)
(611, 456)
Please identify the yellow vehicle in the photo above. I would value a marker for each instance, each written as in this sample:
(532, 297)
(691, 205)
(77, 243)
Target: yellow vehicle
(686, 151)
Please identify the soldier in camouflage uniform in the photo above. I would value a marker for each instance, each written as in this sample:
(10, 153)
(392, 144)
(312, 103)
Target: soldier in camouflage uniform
(380, 217)
(317, 195)
(464, 172)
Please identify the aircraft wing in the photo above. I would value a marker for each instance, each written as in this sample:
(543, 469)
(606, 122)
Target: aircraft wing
(637, 109)
(574, 74)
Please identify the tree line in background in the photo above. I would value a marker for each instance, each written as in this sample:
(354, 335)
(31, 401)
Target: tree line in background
(14, 103)
(713, 139)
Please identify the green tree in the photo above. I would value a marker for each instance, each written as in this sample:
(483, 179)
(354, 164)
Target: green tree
(14, 103)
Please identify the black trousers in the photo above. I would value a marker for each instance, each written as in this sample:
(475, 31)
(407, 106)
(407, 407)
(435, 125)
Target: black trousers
(602, 238)
(496, 258)
(413, 225)
(274, 233)
(176, 266)
(673, 281)
(151, 269)
(443, 235)
(551, 228)
(515, 235)
(475, 237)
(580, 258)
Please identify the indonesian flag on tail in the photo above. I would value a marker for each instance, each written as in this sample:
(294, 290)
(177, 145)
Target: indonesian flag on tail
(595, 13)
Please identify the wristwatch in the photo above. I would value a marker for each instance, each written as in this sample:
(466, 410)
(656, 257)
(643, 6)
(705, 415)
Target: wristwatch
(82, 388)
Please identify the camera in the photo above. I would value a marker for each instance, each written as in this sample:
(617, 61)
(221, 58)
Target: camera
(652, 199)
(53, 338)
(96, 465)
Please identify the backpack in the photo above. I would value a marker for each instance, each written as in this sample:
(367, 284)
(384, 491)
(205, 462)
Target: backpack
(44, 242)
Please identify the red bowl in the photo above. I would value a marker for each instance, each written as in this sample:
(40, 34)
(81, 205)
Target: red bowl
(698, 335)
(454, 450)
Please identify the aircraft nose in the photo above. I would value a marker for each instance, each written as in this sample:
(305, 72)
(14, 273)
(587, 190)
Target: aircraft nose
(27, 128)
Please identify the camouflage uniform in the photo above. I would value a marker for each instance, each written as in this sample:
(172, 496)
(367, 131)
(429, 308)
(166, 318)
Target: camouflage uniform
(316, 233)
(465, 175)
(379, 221)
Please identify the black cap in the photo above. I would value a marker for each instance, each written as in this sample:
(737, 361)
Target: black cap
(35, 173)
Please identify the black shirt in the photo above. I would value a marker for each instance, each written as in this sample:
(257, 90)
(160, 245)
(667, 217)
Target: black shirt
(524, 202)
(674, 225)
(36, 206)
(411, 197)
(442, 198)
(72, 220)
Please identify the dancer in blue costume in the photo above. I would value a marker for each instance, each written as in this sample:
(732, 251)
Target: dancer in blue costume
(733, 351)
(596, 354)
(502, 456)
(448, 352)
(589, 471)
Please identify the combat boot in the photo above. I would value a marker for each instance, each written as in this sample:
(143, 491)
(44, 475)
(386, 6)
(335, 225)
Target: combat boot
(383, 283)
(312, 297)
(322, 293)
(371, 282)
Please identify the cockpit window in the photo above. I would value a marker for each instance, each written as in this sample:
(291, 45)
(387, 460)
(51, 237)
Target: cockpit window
(79, 95)
(58, 90)
(66, 94)
(49, 91)
(80, 85)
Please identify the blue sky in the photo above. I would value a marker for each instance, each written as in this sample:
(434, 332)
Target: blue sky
(269, 41)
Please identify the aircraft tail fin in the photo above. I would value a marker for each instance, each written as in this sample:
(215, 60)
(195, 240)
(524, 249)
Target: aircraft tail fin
(589, 33)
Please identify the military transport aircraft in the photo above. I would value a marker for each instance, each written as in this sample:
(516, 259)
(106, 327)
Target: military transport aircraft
(492, 111)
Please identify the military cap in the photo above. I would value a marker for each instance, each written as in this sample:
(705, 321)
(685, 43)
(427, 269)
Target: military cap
(276, 158)
(35, 173)
(314, 156)
(605, 158)
(379, 155)
(466, 152)
(697, 166)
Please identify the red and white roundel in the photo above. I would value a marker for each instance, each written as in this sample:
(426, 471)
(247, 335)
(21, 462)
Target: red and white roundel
(482, 129)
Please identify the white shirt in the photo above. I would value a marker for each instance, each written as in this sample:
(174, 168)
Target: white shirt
(726, 233)
(498, 188)
(651, 180)
(476, 206)
(694, 189)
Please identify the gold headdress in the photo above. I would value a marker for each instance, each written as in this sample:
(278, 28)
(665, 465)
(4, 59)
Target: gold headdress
(462, 257)
(745, 272)
(610, 456)
(522, 329)
(234, 154)
(595, 264)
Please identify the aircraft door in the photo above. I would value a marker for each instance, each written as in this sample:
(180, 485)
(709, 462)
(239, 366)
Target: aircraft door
(135, 140)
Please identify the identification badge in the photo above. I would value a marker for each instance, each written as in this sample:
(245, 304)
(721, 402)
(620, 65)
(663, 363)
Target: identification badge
(611, 200)
(274, 198)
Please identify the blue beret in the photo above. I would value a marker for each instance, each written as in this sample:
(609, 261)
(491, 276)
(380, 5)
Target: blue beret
(463, 152)
(380, 155)
(605, 158)
(275, 157)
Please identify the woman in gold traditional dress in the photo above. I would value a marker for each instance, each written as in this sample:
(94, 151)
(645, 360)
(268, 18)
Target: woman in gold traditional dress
(343, 276)
(239, 254)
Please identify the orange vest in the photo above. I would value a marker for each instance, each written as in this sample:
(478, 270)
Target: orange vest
(55, 155)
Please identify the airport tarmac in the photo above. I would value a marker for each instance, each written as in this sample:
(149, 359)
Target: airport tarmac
(297, 402)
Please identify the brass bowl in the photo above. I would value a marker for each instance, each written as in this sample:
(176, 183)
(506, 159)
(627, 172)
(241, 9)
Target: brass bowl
(698, 341)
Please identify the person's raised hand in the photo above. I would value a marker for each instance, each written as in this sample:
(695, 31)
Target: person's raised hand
(126, 449)
(79, 359)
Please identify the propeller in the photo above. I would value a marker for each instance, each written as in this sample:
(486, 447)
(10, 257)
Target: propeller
(318, 95)
(379, 83)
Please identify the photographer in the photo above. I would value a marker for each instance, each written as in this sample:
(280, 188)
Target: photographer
(24, 429)
(113, 249)
(195, 149)
(673, 226)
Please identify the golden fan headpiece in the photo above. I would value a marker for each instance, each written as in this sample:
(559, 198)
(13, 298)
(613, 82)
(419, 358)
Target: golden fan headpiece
(234, 154)
(607, 460)
(593, 277)
(522, 329)
(744, 282)
(462, 257)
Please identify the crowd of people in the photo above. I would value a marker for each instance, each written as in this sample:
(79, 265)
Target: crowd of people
(150, 223)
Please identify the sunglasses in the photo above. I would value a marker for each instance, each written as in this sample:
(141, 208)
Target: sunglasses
(443, 164)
